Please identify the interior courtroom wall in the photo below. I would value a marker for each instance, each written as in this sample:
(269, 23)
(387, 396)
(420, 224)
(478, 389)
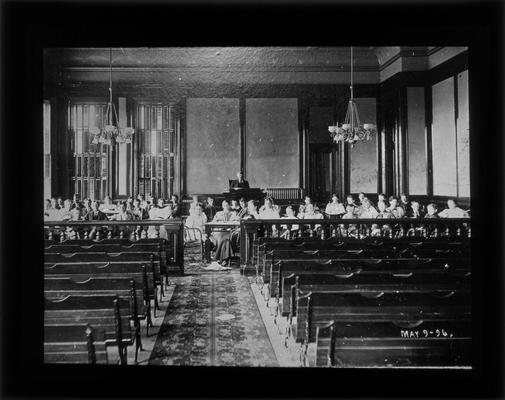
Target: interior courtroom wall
(272, 155)
(444, 139)
(416, 141)
(212, 144)
(363, 156)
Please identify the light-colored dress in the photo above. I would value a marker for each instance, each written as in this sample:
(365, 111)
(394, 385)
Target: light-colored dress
(455, 212)
(222, 238)
(334, 209)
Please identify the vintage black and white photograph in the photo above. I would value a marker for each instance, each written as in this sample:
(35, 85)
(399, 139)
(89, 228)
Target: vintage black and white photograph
(290, 206)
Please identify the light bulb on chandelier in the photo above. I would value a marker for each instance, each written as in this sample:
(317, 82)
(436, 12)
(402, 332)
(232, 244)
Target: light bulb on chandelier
(351, 131)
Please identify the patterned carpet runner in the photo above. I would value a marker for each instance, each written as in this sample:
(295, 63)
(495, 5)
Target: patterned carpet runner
(212, 319)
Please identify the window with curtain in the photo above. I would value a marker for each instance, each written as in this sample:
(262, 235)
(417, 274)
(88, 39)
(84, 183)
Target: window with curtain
(91, 160)
(46, 116)
(156, 149)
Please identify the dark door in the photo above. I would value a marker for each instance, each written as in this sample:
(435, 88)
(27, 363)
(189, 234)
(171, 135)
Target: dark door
(324, 169)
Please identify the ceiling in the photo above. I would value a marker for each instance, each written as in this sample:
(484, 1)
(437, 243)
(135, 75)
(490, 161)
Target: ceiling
(283, 65)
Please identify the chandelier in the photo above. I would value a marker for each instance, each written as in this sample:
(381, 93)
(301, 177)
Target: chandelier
(351, 131)
(111, 133)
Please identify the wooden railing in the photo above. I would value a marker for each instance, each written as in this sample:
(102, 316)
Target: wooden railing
(285, 193)
(349, 228)
(133, 230)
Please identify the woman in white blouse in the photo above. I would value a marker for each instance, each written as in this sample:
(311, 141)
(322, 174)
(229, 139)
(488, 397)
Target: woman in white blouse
(334, 208)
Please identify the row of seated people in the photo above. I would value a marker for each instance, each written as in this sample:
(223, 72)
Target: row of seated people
(226, 244)
(92, 210)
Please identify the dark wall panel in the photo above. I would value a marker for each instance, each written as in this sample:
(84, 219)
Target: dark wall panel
(363, 155)
(213, 152)
(416, 141)
(319, 119)
(272, 142)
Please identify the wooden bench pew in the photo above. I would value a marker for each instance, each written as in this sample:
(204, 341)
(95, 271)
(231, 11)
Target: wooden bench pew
(140, 309)
(378, 281)
(444, 342)
(109, 313)
(74, 344)
(147, 258)
(320, 308)
(138, 272)
(317, 265)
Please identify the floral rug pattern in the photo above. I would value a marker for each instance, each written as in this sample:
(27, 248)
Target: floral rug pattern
(212, 319)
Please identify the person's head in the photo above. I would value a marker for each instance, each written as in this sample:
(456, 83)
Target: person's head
(129, 206)
(350, 199)
(122, 206)
(309, 209)
(415, 205)
(381, 197)
(129, 200)
(381, 205)
(242, 203)
(451, 203)
(251, 206)
(210, 201)
(75, 198)
(140, 198)
(289, 211)
(308, 200)
(175, 199)
(160, 202)
(198, 208)
(234, 203)
(106, 200)
(431, 209)
(366, 203)
(268, 202)
(334, 198)
(60, 201)
(87, 203)
(94, 205)
(404, 198)
(54, 203)
(136, 203)
(361, 196)
(225, 205)
(240, 176)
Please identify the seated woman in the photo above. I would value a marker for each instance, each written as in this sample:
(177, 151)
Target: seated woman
(311, 212)
(350, 230)
(453, 211)
(285, 231)
(269, 211)
(156, 213)
(123, 215)
(108, 207)
(196, 220)
(367, 211)
(335, 209)
(221, 239)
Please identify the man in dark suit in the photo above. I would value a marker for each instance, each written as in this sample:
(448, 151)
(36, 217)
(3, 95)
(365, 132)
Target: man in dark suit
(239, 182)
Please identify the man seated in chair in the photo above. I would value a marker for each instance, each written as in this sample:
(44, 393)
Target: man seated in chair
(240, 182)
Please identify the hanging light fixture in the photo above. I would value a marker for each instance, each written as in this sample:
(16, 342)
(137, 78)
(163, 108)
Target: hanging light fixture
(351, 131)
(111, 133)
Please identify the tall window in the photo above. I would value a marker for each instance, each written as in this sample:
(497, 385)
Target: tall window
(46, 116)
(91, 160)
(157, 149)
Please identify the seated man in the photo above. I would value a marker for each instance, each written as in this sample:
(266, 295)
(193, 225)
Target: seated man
(239, 183)
(95, 215)
(175, 207)
(210, 209)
